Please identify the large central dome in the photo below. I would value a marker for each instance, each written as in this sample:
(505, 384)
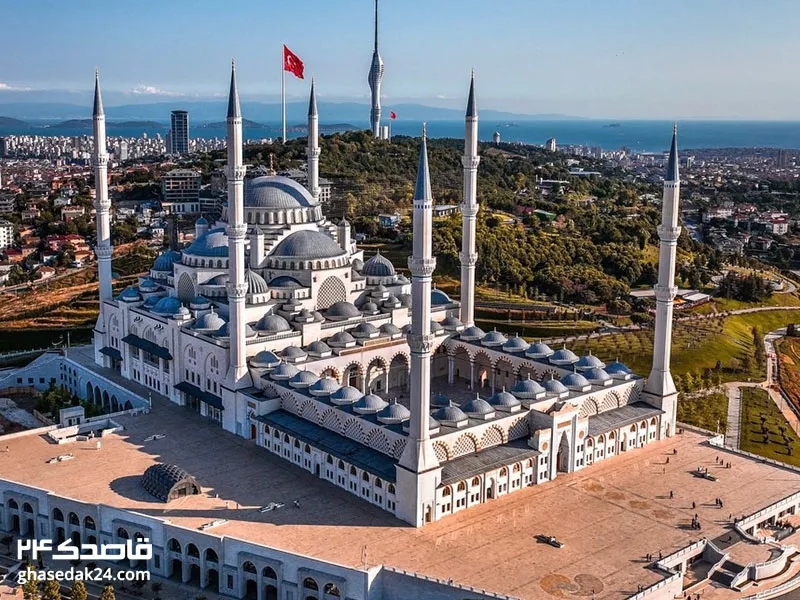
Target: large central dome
(276, 192)
(308, 244)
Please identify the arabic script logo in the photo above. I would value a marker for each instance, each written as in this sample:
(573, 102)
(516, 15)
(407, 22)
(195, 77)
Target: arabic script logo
(140, 549)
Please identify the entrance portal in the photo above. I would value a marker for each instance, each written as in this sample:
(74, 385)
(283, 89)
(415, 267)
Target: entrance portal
(563, 460)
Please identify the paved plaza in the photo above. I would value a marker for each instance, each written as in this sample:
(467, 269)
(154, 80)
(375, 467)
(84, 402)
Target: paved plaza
(609, 516)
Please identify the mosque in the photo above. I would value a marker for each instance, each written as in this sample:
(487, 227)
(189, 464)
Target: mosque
(272, 323)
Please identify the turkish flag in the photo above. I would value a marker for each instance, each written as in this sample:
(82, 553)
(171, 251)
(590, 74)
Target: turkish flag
(392, 114)
(292, 63)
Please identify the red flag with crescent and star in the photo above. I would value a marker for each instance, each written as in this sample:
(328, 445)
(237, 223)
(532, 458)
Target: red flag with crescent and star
(292, 63)
(392, 114)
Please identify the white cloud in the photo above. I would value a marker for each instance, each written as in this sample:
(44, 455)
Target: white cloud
(151, 90)
(5, 87)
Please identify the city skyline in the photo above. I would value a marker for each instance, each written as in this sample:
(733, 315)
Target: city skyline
(625, 60)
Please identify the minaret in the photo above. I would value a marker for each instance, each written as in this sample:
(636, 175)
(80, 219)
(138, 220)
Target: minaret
(375, 78)
(236, 230)
(312, 152)
(418, 472)
(469, 209)
(660, 388)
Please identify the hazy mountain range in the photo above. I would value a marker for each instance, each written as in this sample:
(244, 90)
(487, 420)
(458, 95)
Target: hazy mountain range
(204, 111)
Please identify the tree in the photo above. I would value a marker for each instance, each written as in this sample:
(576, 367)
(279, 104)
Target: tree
(30, 589)
(78, 591)
(156, 587)
(108, 593)
(52, 590)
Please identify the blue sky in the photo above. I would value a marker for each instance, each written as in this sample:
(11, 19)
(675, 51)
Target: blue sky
(594, 58)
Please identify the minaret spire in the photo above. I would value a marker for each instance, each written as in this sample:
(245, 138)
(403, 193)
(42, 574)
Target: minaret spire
(236, 230)
(313, 150)
(375, 78)
(418, 471)
(469, 208)
(660, 388)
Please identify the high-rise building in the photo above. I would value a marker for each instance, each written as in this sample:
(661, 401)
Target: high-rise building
(3, 146)
(496, 137)
(6, 234)
(375, 78)
(180, 191)
(179, 132)
(123, 150)
(783, 158)
(550, 145)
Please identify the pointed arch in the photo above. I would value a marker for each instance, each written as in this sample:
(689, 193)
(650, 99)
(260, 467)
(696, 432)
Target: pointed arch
(442, 451)
(466, 444)
(330, 420)
(588, 408)
(519, 428)
(493, 436)
(377, 440)
(399, 446)
(330, 292)
(354, 430)
(309, 411)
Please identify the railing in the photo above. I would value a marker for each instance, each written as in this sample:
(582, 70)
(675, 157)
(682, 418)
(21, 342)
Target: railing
(786, 586)
(756, 516)
(657, 586)
(449, 583)
(681, 554)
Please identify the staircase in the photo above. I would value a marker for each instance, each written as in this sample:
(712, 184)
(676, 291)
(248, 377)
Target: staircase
(725, 573)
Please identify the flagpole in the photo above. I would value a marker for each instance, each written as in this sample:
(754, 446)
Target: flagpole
(283, 95)
(390, 128)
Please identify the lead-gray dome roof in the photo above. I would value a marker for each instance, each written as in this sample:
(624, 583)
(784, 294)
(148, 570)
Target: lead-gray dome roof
(309, 244)
(167, 482)
(213, 242)
(276, 192)
(394, 413)
(345, 395)
(477, 407)
(255, 283)
(273, 324)
(378, 266)
(370, 403)
(341, 311)
(450, 415)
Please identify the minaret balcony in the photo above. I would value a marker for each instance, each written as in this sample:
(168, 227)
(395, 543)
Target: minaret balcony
(470, 162)
(468, 259)
(237, 173)
(421, 267)
(314, 151)
(100, 160)
(665, 293)
(668, 234)
(103, 252)
(469, 210)
(236, 291)
(421, 344)
(236, 231)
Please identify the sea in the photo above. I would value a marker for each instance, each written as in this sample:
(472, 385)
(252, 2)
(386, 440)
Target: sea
(640, 136)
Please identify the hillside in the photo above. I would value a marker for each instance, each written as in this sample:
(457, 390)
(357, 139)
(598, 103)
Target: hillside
(11, 122)
(87, 124)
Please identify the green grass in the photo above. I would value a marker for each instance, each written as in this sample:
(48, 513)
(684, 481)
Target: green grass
(709, 412)
(758, 408)
(774, 300)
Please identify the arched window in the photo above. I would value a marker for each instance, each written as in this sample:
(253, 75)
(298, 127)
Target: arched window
(27, 508)
(341, 465)
(88, 523)
(446, 491)
(310, 584)
(73, 519)
(503, 472)
(307, 449)
(249, 567)
(269, 573)
(378, 483)
(461, 487)
(297, 443)
(476, 481)
(173, 545)
(191, 550)
(391, 488)
(332, 590)
(329, 459)
(211, 555)
(365, 476)
(12, 504)
(58, 515)
(353, 471)
(122, 533)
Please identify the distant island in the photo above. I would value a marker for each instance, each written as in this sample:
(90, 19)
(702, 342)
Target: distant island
(613, 125)
(9, 122)
(87, 124)
(327, 127)
(221, 124)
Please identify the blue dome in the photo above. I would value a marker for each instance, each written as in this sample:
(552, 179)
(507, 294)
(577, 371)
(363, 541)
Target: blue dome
(370, 404)
(130, 294)
(516, 344)
(472, 334)
(223, 332)
(575, 381)
(293, 353)
(168, 305)
(303, 379)
(477, 407)
(166, 261)
(147, 285)
(493, 338)
(440, 399)
(284, 281)
(199, 302)
(439, 298)
(265, 360)
(212, 243)
(539, 350)
(346, 395)
(554, 386)
(151, 302)
(276, 192)
(563, 356)
(221, 279)
(309, 244)
(209, 322)
(589, 361)
(201, 221)
(596, 375)
(378, 266)
(527, 388)
(394, 413)
(617, 368)
(504, 400)
(255, 283)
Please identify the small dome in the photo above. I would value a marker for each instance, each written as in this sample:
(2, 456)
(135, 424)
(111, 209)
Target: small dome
(150, 302)
(378, 266)
(472, 334)
(390, 329)
(199, 303)
(147, 285)
(439, 400)
(405, 300)
(223, 332)
(304, 314)
(130, 294)
(539, 350)
(391, 302)
(451, 323)
(589, 361)
(345, 395)
(369, 308)
(563, 357)
(402, 278)
(504, 401)
(394, 413)
(478, 408)
(168, 482)
(213, 242)
(168, 305)
(554, 386)
(618, 368)
(575, 381)
(277, 192)
(318, 348)
(255, 283)
(208, 322)
(182, 313)
(221, 279)
(435, 327)
(450, 415)
(285, 282)
(201, 221)
(516, 344)
(303, 379)
(365, 330)
(341, 339)
(439, 298)
(273, 324)
(357, 264)
(527, 388)
(370, 404)
(265, 359)
(293, 353)
(341, 311)
(597, 375)
(166, 261)
(493, 338)
(284, 371)
(324, 387)
(308, 244)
